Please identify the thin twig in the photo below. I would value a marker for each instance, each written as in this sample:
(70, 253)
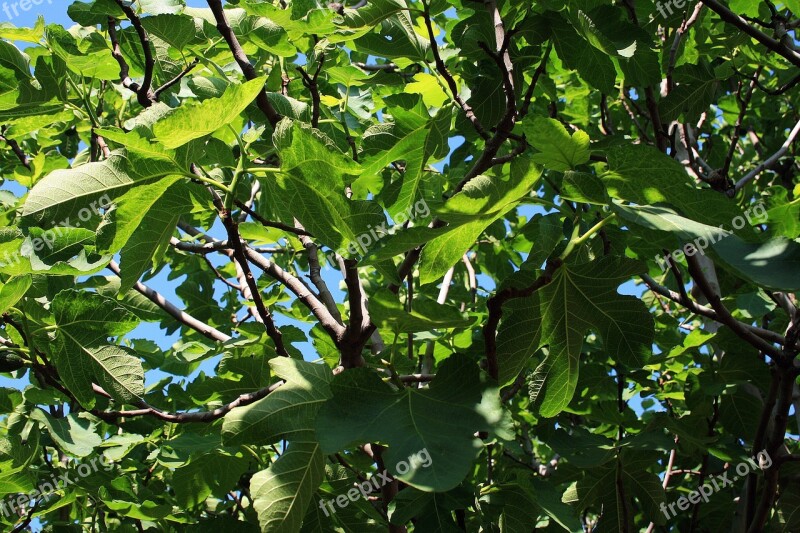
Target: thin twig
(653, 285)
(451, 82)
(526, 102)
(310, 83)
(16, 149)
(269, 223)
(177, 78)
(769, 162)
(737, 127)
(181, 418)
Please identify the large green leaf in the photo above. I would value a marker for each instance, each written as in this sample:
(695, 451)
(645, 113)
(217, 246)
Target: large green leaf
(592, 64)
(211, 473)
(147, 244)
(288, 413)
(13, 290)
(697, 87)
(558, 150)
(63, 193)
(413, 138)
(312, 186)
(76, 434)
(81, 352)
(121, 222)
(439, 421)
(773, 264)
(282, 493)
(643, 175)
(387, 312)
(483, 200)
(192, 122)
(579, 298)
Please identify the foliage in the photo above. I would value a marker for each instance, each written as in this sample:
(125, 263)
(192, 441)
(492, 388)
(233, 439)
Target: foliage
(260, 256)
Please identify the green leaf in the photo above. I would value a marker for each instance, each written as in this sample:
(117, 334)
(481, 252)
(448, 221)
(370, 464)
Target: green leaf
(283, 492)
(471, 211)
(431, 511)
(643, 175)
(665, 219)
(74, 433)
(589, 31)
(583, 187)
(176, 30)
(312, 181)
(63, 193)
(12, 291)
(558, 149)
(387, 312)
(593, 65)
(192, 122)
(288, 412)
(160, 7)
(773, 264)
(413, 138)
(739, 412)
(147, 244)
(211, 473)
(12, 58)
(440, 421)
(129, 209)
(696, 89)
(81, 353)
(579, 298)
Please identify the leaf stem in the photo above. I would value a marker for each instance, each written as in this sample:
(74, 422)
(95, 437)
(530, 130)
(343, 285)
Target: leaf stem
(209, 181)
(594, 229)
(576, 241)
(264, 170)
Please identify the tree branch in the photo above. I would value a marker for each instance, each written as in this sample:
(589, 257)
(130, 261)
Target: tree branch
(314, 270)
(144, 94)
(242, 60)
(732, 18)
(303, 293)
(767, 335)
(310, 83)
(541, 69)
(269, 223)
(451, 82)
(724, 316)
(182, 418)
(769, 162)
(177, 78)
(182, 317)
(16, 149)
(737, 127)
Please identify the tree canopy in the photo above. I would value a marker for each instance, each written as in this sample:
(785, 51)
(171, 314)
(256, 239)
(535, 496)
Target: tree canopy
(401, 265)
